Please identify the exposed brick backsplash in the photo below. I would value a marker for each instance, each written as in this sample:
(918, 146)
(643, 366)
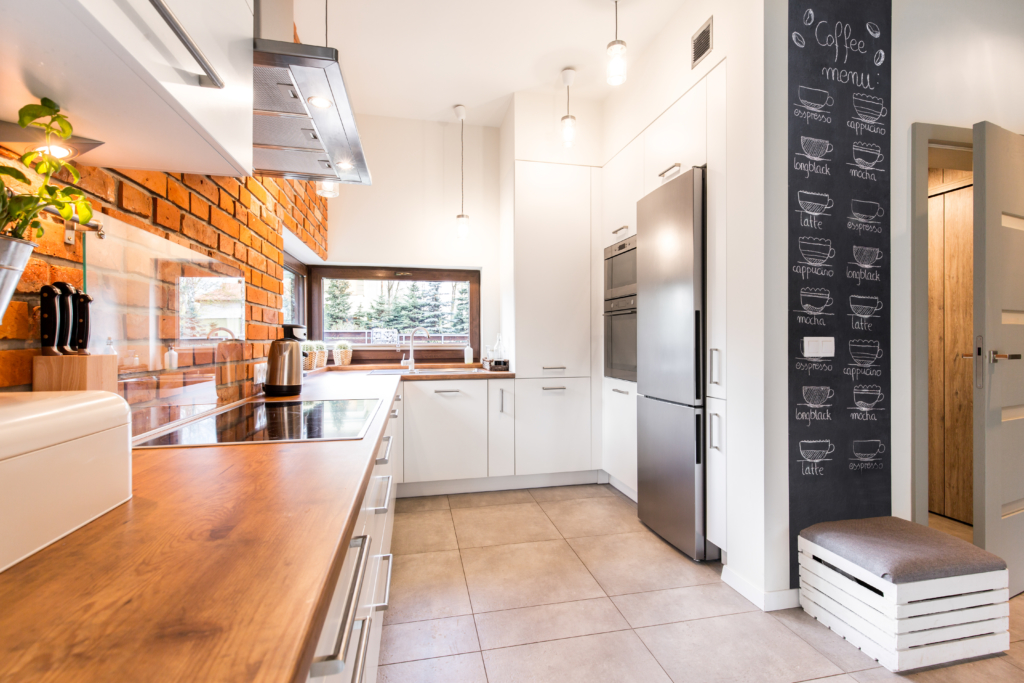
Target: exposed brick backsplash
(238, 221)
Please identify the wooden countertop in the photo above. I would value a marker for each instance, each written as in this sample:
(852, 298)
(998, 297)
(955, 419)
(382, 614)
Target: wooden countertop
(219, 568)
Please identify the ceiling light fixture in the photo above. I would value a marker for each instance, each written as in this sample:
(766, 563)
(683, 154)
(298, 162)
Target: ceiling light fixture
(345, 165)
(319, 102)
(327, 188)
(617, 55)
(568, 121)
(462, 220)
(55, 151)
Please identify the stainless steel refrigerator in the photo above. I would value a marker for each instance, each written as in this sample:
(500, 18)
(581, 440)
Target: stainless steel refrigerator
(670, 363)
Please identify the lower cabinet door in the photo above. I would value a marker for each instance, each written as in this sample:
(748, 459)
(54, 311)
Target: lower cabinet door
(552, 425)
(501, 427)
(445, 430)
(619, 430)
(716, 472)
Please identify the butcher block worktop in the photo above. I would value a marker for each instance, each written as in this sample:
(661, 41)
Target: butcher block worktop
(220, 568)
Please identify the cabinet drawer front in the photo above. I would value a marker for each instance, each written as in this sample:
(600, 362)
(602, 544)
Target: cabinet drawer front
(552, 425)
(445, 430)
(619, 429)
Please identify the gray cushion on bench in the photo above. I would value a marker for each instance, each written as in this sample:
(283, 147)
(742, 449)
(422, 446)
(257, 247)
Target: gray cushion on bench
(900, 551)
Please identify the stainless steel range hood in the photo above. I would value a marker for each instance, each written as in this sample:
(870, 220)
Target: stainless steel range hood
(292, 138)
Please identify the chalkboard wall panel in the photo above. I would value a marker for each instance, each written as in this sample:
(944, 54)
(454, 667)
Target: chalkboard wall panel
(839, 258)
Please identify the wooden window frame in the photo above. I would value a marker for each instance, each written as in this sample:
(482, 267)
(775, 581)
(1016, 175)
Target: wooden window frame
(301, 296)
(363, 356)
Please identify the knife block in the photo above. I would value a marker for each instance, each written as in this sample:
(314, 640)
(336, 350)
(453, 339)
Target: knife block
(74, 373)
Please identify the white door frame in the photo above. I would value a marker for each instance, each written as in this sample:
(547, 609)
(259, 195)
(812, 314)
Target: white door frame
(922, 135)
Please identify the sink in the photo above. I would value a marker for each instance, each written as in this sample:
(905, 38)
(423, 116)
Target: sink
(431, 371)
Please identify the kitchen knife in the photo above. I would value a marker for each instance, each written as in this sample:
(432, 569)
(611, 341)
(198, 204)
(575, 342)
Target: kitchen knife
(82, 326)
(49, 319)
(66, 317)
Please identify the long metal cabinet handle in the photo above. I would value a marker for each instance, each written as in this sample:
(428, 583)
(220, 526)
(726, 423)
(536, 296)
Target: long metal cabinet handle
(620, 391)
(667, 170)
(387, 453)
(168, 16)
(446, 391)
(359, 666)
(387, 498)
(381, 606)
(616, 231)
(552, 367)
(552, 388)
(713, 429)
(501, 400)
(394, 413)
(335, 662)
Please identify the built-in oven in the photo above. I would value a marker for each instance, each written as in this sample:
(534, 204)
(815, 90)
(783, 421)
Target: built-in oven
(620, 269)
(620, 338)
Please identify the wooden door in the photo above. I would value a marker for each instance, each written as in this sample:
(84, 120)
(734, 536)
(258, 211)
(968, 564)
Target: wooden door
(950, 323)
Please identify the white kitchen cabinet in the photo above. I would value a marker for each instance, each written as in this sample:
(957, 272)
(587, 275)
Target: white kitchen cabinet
(445, 430)
(126, 79)
(679, 136)
(716, 233)
(716, 471)
(622, 187)
(398, 435)
(552, 425)
(619, 430)
(501, 427)
(552, 270)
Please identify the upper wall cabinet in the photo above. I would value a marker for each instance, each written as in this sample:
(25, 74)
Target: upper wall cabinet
(552, 270)
(622, 187)
(679, 136)
(126, 78)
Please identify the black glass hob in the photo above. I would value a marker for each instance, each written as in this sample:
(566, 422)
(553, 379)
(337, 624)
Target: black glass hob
(256, 421)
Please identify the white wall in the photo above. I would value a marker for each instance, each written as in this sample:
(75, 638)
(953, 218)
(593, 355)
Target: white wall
(406, 218)
(955, 64)
(538, 126)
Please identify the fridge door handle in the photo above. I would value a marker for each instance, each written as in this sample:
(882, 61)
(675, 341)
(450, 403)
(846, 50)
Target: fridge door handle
(699, 430)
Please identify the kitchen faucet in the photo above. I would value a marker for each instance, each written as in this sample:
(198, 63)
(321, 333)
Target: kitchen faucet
(412, 348)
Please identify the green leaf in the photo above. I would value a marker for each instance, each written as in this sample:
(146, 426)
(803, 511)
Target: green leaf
(27, 157)
(84, 210)
(64, 125)
(31, 112)
(47, 102)
(67, 211)
(14, 173)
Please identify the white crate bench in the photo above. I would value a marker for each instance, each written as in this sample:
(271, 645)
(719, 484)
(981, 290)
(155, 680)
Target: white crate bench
(906, 595)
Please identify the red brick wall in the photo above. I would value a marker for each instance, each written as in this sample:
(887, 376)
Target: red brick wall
(238, 221)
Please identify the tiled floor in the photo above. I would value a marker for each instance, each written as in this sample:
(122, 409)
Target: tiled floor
(564, 585)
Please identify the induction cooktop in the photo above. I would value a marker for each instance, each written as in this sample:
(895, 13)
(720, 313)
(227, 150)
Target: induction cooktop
(281, 421)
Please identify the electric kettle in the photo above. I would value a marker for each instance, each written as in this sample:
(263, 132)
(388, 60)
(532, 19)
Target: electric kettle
(284, 364)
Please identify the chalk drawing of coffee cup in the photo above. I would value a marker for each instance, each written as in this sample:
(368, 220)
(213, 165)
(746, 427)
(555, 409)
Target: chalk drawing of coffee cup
(865, 396)
(865, 306)
(865, 352)
(814, 203)
(817, 397)
(815, 148)
(868, 449)
(815, 300)
(866, 154)
(866, 211)
(816, 450)
(866, 256)
(816, 250)
(868, 107)
(814, 99)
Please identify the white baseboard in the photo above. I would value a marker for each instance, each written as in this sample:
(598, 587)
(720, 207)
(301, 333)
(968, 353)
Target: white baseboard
(766, 602)
(625, 490)
(524, 481)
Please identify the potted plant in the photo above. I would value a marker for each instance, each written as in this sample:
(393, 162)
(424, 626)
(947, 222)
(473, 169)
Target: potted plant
(321, 354)
(309, 355)
(343, 353)
(19, 211)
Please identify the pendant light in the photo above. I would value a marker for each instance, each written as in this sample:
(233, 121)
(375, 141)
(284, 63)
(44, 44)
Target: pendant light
(568, 121)
(462, 220)
(617, 55)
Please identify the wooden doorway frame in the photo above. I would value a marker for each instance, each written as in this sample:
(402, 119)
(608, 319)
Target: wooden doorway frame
(922, 136)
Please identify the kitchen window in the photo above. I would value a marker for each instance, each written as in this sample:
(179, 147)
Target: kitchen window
(293, 292)
(375, 310)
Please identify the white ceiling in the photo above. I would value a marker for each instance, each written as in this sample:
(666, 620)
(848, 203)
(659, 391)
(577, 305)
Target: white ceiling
(416, 59)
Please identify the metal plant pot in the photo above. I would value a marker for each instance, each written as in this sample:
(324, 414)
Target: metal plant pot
(14, 255)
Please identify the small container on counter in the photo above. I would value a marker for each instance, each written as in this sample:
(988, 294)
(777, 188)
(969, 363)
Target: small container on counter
(467, 355)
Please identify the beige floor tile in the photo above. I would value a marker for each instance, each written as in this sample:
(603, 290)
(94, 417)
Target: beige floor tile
(681, 604)
(568, 492)
(842, 678)
(592, 516)
(427, 586)
(548, 622)
(458, 669)
(617, 657)
(993, 669)
(638, 562)
(476, 500)
(421, 503)
(839, 650)
(739, 647)
(526, 574)
(428, 639)
(423, 532)
(1017, 618)
(502, 525)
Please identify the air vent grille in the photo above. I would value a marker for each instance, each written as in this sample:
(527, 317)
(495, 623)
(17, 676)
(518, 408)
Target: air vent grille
(701, 43)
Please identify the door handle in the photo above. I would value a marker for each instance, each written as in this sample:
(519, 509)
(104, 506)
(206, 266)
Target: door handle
(381, 606)
(552, 367)
(669, 169)
(212, 78)
(995, 356)
(387, 454)
(553, 388)
(963, 356)
(618, 230)
(620, 391)
(335, 662)
(446, 391)
(387, 498)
